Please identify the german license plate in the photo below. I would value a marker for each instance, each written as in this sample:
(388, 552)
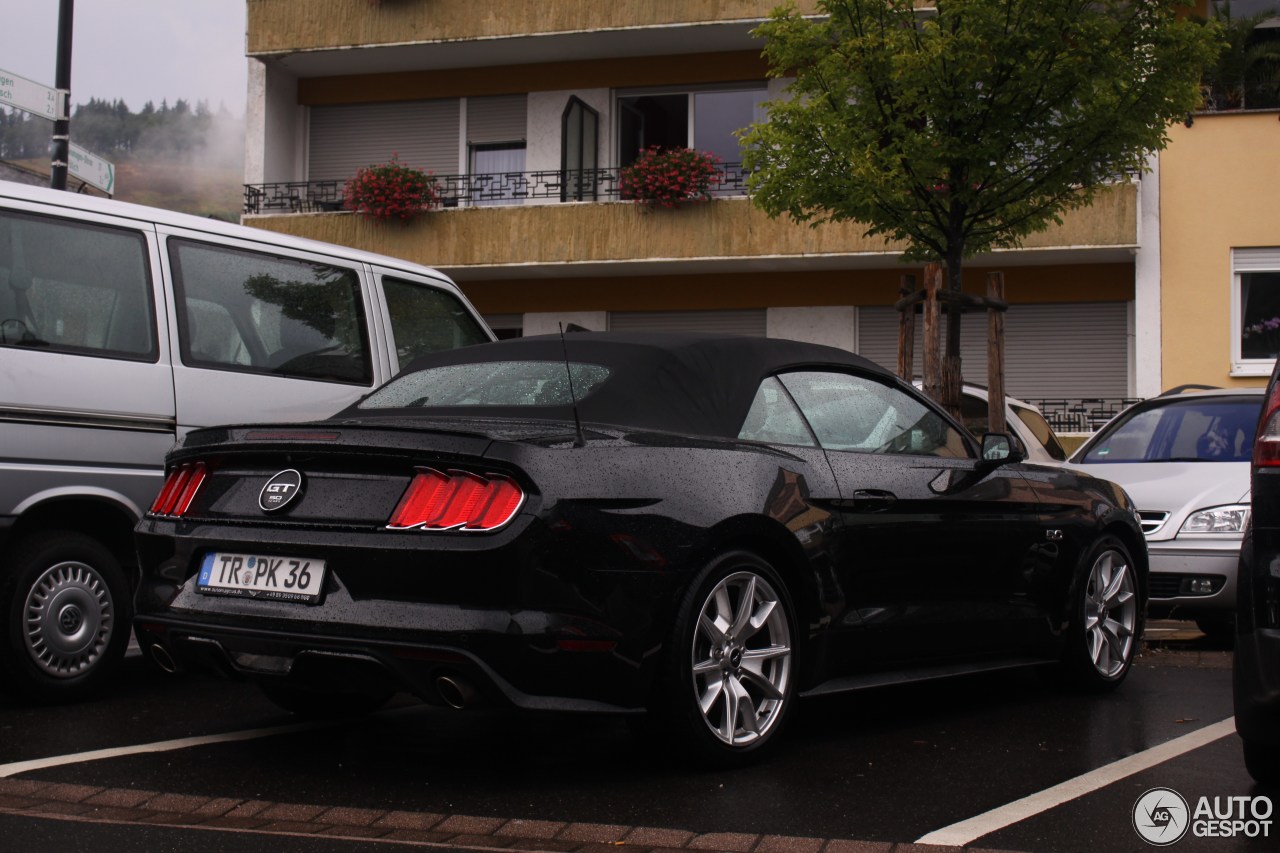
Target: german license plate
(256, 576)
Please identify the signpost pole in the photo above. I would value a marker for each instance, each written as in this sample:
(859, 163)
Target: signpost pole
(62, 82)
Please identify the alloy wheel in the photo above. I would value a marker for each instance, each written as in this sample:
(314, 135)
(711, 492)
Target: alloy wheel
(741, 659)
(1111, 613)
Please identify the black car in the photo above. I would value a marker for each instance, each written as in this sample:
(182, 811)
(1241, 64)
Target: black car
(1256, 673)
(703, 527)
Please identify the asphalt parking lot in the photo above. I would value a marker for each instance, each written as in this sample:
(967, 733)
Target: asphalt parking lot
(1003, 762)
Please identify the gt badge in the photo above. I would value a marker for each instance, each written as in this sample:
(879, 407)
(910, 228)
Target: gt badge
(280, 490)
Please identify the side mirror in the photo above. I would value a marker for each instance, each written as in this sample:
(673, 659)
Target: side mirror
(1002, 448)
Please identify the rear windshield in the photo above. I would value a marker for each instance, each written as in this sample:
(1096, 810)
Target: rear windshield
(490, 383)
(1203, 430)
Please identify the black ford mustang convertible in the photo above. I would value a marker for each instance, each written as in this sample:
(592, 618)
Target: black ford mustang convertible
(701, 527)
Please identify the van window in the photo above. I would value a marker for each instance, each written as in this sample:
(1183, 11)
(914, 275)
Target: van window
(426, 319)
(68, 286)
(258, 313)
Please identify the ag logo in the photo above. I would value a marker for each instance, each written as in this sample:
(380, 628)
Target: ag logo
(279, 490)
(1161, 816)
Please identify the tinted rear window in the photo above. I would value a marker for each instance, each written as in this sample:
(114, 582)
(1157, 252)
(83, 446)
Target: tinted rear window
(490, 383)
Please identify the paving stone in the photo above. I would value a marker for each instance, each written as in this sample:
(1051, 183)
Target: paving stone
(653, 837)
(601, 833)
(789, 844)
(337, 831)
(291, 812)
(22, 787)
(344, 816)
(121, 797)
(409, 820)
(229, 822)
(728, 842)
(418, 835)
(293, 826)
(487, 841)
(218, 806)
(17, 804)
(250, 808)
(55, 807)
(470, 825)
(120, 813)
(70, 793)
(840, 845)
(531, 828)
(177, 803)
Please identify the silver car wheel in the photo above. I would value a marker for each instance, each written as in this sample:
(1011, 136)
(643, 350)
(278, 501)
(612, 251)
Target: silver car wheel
(69, 619)
(1111, 613)
(741, 659)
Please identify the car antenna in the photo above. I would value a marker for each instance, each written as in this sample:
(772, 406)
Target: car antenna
(581, 440)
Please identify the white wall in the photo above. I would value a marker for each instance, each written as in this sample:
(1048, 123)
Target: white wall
(835, 326)
(545, 128)
(275, 126)
(548, 323)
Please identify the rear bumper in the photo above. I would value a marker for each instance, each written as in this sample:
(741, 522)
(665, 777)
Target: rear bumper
(1256, 666)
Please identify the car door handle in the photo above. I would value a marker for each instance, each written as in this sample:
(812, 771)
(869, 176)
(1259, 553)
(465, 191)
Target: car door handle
(873, 500)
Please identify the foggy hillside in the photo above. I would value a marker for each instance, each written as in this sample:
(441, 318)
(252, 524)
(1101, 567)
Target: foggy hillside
(177, 157)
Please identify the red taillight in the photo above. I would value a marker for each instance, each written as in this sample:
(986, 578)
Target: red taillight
(457, 500)
(1266, 446)
(179, 489)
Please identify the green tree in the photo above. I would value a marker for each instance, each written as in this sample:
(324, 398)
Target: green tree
(966, 126)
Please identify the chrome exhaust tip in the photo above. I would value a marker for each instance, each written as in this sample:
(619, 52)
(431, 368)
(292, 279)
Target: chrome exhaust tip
(456, 692)
(163, 659)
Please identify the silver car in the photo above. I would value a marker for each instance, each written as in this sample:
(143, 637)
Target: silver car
(1184, 459)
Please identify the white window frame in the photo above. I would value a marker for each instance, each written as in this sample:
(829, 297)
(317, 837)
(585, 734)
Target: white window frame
(1247, 261)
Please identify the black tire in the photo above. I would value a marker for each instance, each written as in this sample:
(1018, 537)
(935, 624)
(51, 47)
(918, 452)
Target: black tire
(1221, 630)
(67, 611)
(730, 709)
(1106, 620)
(324, 704)
(1262, 760)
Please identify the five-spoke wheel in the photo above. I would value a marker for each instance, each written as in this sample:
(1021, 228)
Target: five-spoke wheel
(1106, 622)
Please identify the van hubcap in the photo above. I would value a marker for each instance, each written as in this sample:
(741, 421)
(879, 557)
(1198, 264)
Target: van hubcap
(69, 619)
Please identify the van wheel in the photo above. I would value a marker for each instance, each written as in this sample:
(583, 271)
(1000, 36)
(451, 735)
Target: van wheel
(66, 615)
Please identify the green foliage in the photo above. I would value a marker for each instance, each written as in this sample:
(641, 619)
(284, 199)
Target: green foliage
(1247, 71)
(967, 128)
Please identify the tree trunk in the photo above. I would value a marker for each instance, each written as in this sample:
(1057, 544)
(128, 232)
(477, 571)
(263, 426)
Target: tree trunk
(952, 375)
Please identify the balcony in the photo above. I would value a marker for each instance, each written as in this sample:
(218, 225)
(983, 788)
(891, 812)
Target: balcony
(507, 188)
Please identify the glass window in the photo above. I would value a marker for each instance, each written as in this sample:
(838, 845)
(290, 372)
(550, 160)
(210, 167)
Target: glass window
(1042, 431)
(248, 311)
(581, 138)
(490, 383)
(497, 173)
(1260, 313)
(774, 418)
(859, 414)
(426, 319)
(718, 116)
(1203, 430)
(69, 286)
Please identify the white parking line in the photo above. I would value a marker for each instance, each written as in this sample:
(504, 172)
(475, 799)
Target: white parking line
(966, 831)
(159, 746)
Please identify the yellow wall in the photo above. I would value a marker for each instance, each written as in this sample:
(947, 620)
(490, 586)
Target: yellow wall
(1219, 190)
(281, 26)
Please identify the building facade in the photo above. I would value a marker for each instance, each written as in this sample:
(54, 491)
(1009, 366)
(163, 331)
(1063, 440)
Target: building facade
(525, 113)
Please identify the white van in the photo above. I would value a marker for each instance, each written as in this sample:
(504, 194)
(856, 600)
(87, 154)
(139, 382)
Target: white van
(121, 328)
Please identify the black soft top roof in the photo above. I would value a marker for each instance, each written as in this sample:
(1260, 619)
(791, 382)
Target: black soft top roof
(682, 382)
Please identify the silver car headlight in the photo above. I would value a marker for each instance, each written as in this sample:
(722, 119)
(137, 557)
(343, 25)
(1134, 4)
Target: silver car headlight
(1217, 519)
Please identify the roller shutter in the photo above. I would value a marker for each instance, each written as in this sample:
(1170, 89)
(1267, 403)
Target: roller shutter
(743, 322)
(1066, 351)
(345, 138)
(498, 119)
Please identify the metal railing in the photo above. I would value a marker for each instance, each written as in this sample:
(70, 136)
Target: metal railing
(1084, 415)
(503, 188)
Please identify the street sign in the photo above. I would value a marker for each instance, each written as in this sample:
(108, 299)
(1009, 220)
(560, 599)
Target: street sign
(92, 169)
(31, 96)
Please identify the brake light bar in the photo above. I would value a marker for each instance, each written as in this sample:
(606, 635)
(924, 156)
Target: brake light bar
(457, 500)
(179, 489)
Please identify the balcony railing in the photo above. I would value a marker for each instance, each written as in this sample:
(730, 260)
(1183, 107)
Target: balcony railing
(1081, 415)
(505, 188)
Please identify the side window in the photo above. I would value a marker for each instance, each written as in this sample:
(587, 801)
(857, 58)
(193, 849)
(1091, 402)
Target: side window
(258, 313)
(76, 287)
(859, 414)
(425, 320)
(774, 418)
